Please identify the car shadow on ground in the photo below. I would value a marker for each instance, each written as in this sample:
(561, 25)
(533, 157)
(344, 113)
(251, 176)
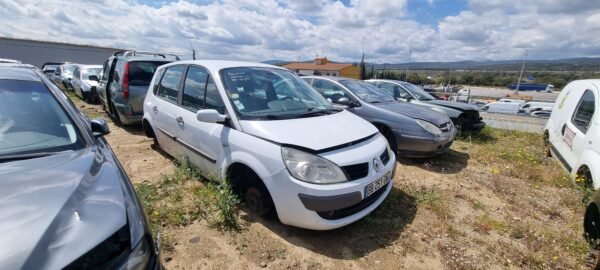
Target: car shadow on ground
(449, 162)
(375, 231)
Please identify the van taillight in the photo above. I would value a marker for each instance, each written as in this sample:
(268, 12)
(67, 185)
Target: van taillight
(125, 86)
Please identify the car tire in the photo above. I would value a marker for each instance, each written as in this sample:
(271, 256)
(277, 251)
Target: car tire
(591, 233)
(460, 124)
(258, 200)
(254, 193)
(547, 144)
(390, 137)
(115, 114)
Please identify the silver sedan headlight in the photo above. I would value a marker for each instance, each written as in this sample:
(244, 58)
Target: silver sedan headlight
(311, 168)
(431, 128)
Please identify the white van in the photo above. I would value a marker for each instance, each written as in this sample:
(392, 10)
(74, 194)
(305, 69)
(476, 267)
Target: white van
(278, 141)
(512, 100)
(573, 130)
(532, 106)
(501, 107)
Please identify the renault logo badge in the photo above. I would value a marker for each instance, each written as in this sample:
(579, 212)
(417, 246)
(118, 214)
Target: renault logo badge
(376, 165)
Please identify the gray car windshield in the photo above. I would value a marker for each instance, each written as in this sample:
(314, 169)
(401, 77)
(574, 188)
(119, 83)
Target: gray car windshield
(269, 93)
(418, 92)
(32, 121)
(367, 92)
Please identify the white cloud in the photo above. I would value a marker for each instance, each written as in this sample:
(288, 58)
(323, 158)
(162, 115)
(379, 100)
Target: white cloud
(285, 29)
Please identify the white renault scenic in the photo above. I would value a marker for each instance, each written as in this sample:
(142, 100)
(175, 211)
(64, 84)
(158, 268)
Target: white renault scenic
(573, 130)
(279, 142)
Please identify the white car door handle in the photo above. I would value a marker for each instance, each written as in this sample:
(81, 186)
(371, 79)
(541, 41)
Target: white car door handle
(155, 109)
(179, 120)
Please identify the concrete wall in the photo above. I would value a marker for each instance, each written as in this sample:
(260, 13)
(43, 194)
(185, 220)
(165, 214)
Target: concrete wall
(38, 52)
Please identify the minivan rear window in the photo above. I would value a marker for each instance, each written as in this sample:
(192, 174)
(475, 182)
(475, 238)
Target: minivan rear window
(141, 72)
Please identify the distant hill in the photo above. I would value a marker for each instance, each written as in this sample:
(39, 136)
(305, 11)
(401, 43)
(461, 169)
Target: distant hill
(570, 64)
(275, 62)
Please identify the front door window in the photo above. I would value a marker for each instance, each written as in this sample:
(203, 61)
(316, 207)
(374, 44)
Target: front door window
(582, 118)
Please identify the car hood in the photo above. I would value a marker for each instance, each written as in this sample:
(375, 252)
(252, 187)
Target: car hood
(91, 83)
(316, 133)
(414, 111)
(453, 105)
(54, 209)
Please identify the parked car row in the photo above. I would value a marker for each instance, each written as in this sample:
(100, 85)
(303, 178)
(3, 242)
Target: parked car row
(319, 152)
(81, 79)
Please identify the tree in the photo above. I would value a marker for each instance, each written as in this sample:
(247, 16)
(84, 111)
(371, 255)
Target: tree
(363, 69)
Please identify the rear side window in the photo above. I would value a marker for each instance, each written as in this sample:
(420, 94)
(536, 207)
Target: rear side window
(169, 85)
(141, 72)
(194, 89)
(582, 118)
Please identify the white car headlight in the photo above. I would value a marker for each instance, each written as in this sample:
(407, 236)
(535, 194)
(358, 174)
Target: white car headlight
(431, 128)
(311, 168)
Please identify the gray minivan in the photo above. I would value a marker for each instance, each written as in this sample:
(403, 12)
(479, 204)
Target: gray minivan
(124, 82)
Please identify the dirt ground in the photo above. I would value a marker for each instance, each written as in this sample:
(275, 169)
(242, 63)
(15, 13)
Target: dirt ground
(461, 210)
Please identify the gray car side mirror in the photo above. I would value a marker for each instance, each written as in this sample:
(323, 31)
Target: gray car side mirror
(99, 127)
(347, 102)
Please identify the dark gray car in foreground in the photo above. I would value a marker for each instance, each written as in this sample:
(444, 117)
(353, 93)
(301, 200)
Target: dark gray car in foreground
(411, 130)
(65, 201)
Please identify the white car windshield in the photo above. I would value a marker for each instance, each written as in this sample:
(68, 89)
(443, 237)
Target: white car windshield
(367, 92)
(68, 69)
(418, 92)
(270, 93)
(91, 71)
(32, 120)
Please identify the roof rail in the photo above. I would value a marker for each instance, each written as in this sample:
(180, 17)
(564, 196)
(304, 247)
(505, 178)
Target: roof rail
(136, 53)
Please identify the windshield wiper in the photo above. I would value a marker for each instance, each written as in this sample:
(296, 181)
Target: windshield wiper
(25, 156)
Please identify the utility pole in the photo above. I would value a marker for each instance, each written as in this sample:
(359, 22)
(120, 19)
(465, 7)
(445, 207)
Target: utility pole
(521, 75)
(449, 77)
(407, 65)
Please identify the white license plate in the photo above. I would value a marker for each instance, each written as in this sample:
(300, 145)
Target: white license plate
(377, 184)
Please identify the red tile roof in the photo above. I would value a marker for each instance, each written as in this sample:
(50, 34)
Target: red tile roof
(313, 66)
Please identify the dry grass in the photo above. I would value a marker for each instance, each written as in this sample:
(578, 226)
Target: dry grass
(182, 198)
(515, 154)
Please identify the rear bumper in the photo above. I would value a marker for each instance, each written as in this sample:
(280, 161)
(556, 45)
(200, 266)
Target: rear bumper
(421, 147)
(126, 114)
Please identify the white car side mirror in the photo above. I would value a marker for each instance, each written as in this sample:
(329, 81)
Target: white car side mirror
(210, 116)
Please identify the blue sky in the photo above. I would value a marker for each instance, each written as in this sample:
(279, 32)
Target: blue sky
(256, 30)
(431, 12)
